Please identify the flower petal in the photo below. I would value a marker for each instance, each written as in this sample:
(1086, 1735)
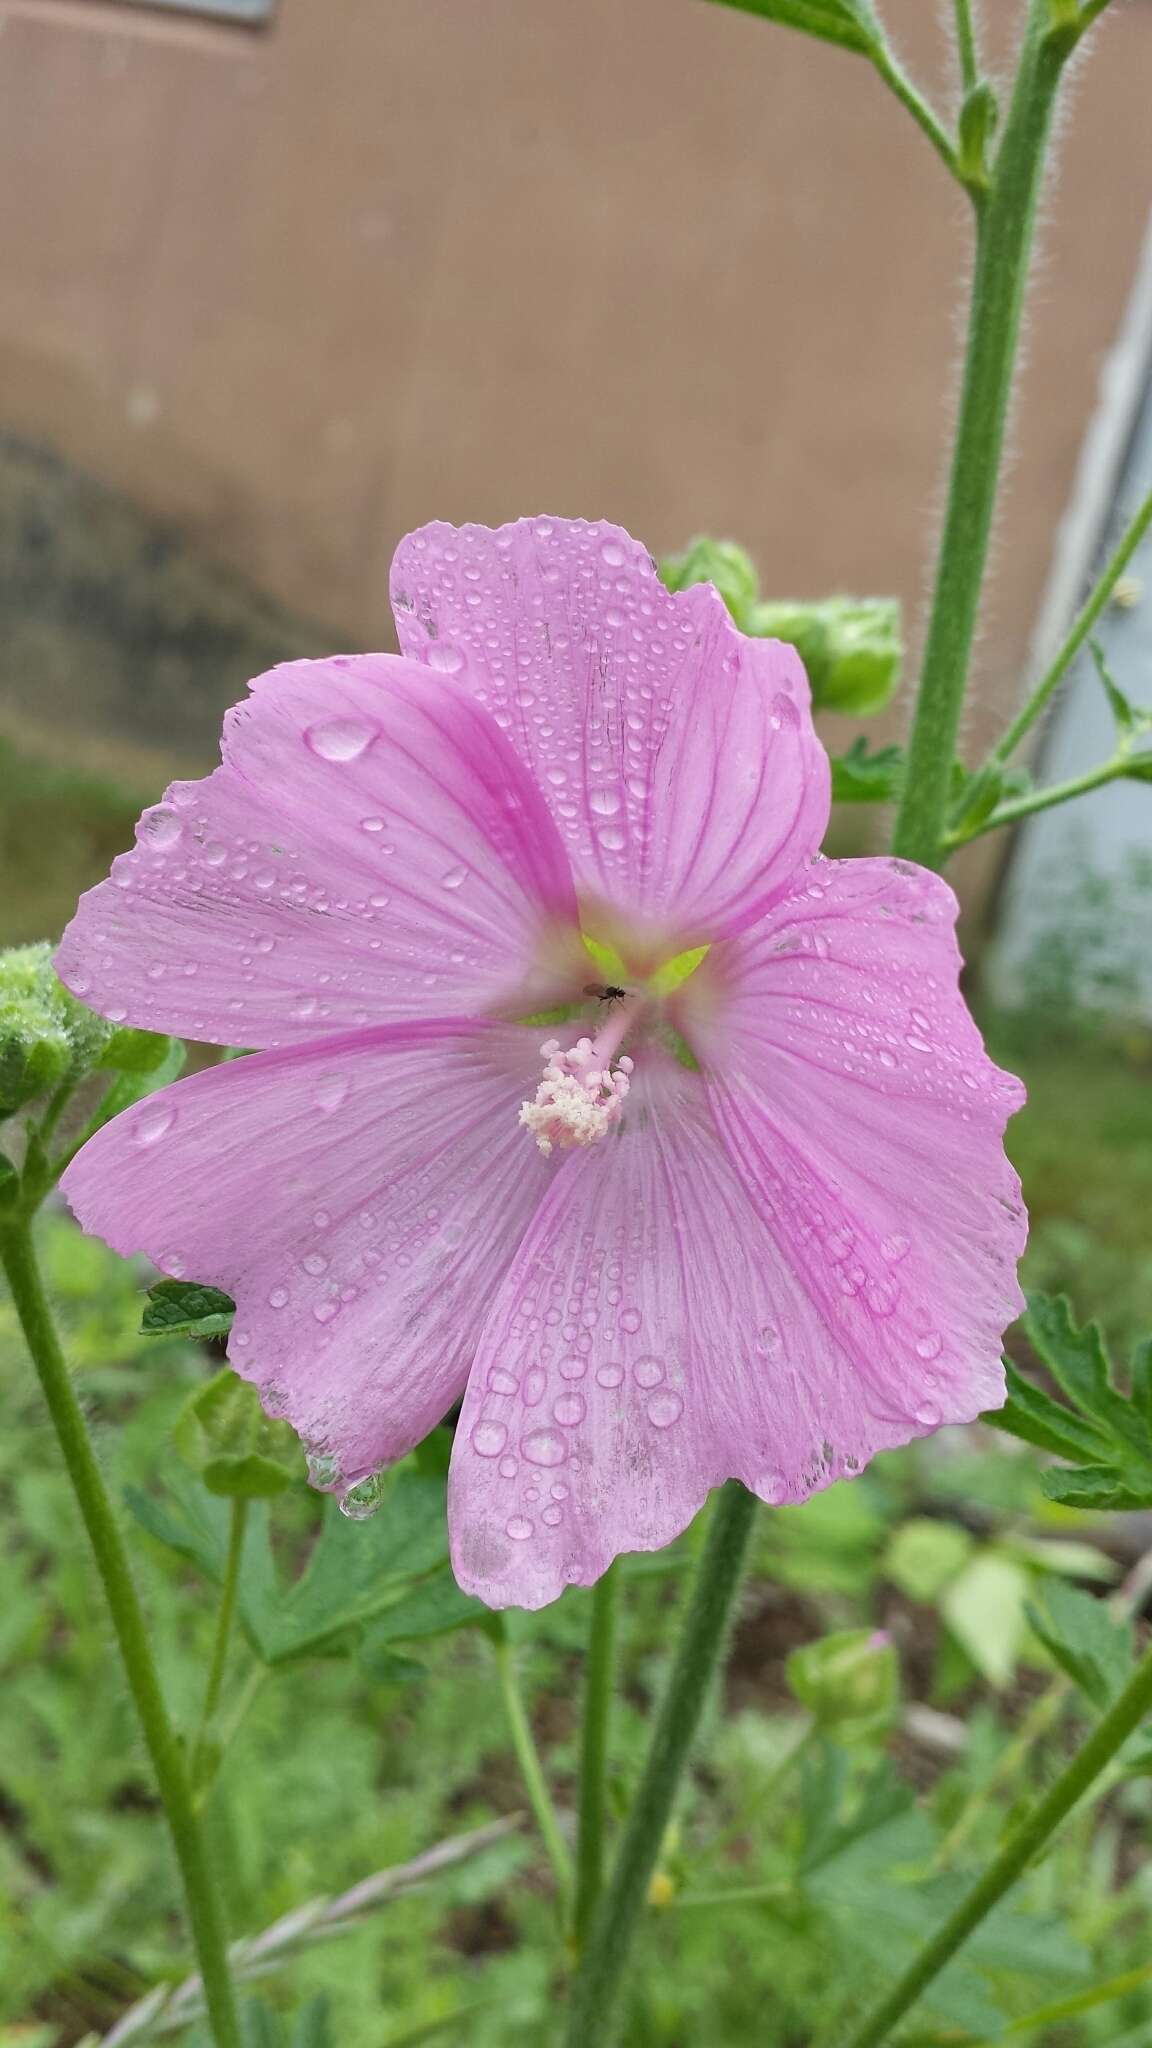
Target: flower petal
(370, 849)
(633, 1360)
(867, 1123)
(678, 757)
(359, 1199)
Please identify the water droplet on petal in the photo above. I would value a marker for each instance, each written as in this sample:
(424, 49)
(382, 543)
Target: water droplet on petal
(665, 1408)
(771, 1487)
(534, 1385)
(501, 1382)
(605, 802)
(768, 1341)
(340, 739)
(278, 1298)
(519, 1528)
(455, 878)
(572, 1367)
(928, 1414)
(325, 1310)
(159, 827)
(648, 1372)
(443, 656)
(930, 1345)
(544, 1447)
(553, 1517)
(489, 1439)
(323, 1470)
(569, 1409)
(330, 1091)
(371, 824)
(630, 1320)
(895, 1248)
(152, 1122)
(609, 1375)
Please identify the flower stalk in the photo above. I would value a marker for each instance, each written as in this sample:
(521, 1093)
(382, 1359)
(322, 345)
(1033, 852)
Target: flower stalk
(598, 1983)
(1005, 222)
(18, 1255)
(594, 1750)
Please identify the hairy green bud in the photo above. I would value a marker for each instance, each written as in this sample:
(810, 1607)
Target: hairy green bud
(850, 646)
(47, 1038)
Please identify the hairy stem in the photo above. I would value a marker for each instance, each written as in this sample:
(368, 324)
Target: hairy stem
(20, 1265)
(225, 1616)
(1005, 220)
(594, 1750)
(966, 44)
(598, 1981)
(1026, 1840)
(531, 1769)
(1093, 606)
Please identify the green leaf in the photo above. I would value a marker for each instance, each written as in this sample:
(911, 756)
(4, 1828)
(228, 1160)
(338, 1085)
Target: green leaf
(1080, 1634)
(1128, 719)
(861, 777)
(137, 1052)
(1104, 1432)
(1036, 1418)
(357, 1569)
(433, 1608)
(850, 23)
(977, 121)
(183, 1308)
(720, 562)
(1095, 1489)
(925, 1555)
(240, 1453)
(985, 1608)
(851, 648)
(313, 2027)
(196, 1524)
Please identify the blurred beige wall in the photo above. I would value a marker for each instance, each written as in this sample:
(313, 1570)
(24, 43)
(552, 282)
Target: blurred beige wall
(300, 289)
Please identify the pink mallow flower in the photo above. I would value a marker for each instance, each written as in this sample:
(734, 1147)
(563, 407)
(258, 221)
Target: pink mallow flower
(749, 1218)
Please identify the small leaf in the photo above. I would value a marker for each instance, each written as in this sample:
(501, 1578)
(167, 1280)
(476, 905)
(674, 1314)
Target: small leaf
(1123, 711)
(1094, 1488)
(925, 1555)
(985, 1609)
(850, 23)
(977, 121)
(1078, 1362)
(433, 1608)
(1036, 1418)
(240, 1453)
(1079, 1633)
(860, 777)
(183, 1308)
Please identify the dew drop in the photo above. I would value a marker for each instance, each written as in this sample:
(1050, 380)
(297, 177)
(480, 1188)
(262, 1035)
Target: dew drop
(278, 1298)
(768, 1340)
(455, 878)
(501, 1382)
(612, 554)
(340, 739)
(489, 1439)
(519, 1528)
(880, 1298)
(648, 1372)
(159, 827)
(665, 1408)
(930, 1345)
(572, 1367)
(895, 1248)
(544, 1447)
(325, 1310)
(612, 838)
(315, 1263)
(553, 1517)
(630, 1320)
(605, 802)
(534, 1384)
(443, 656)
(215, 855)
(928, 1414)
(371, 824)
(508, 1468)
(771, 1487)
(152, 1123)
(329, 1092)
(323, 1470)
(559, 1490)
(361, 1501)
(609, 1375)
(569, 1409)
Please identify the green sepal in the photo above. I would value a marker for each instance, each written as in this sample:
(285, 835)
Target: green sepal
(849, 23)
(849, 1681)
(861, 777)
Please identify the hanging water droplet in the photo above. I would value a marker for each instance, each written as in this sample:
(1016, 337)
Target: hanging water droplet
(340, 739)
(323, 1470)
(361, 1501)
(771, 1487)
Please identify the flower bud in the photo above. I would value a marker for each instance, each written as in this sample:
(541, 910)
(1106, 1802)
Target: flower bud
(850, 646)
(721, 562)
(849, 1681)
(46, 1036)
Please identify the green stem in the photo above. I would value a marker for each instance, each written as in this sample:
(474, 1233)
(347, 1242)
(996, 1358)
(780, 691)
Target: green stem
(966, 44)
(594, 1750)
(1045, 799)
(1040, 1719)
(1005, 220)
(1093, 606)
(225, 1616)
(895, 77)
(1121, 1720)
(597, 1985)
(531, 1769)
(19, 1260)
(1081, 2001)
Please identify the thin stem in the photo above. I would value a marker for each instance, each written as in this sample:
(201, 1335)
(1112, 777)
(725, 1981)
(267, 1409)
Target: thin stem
(1005, 220)
(1121, 1720)
(19, 1260)
(225, 1614)
(594, 1750)
(1045, 799)
(966, 44)
(597, 1984)
(1093, 606)
(531, 1769)
(894, 76)
(1040, 1719)
(1082, 2001)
